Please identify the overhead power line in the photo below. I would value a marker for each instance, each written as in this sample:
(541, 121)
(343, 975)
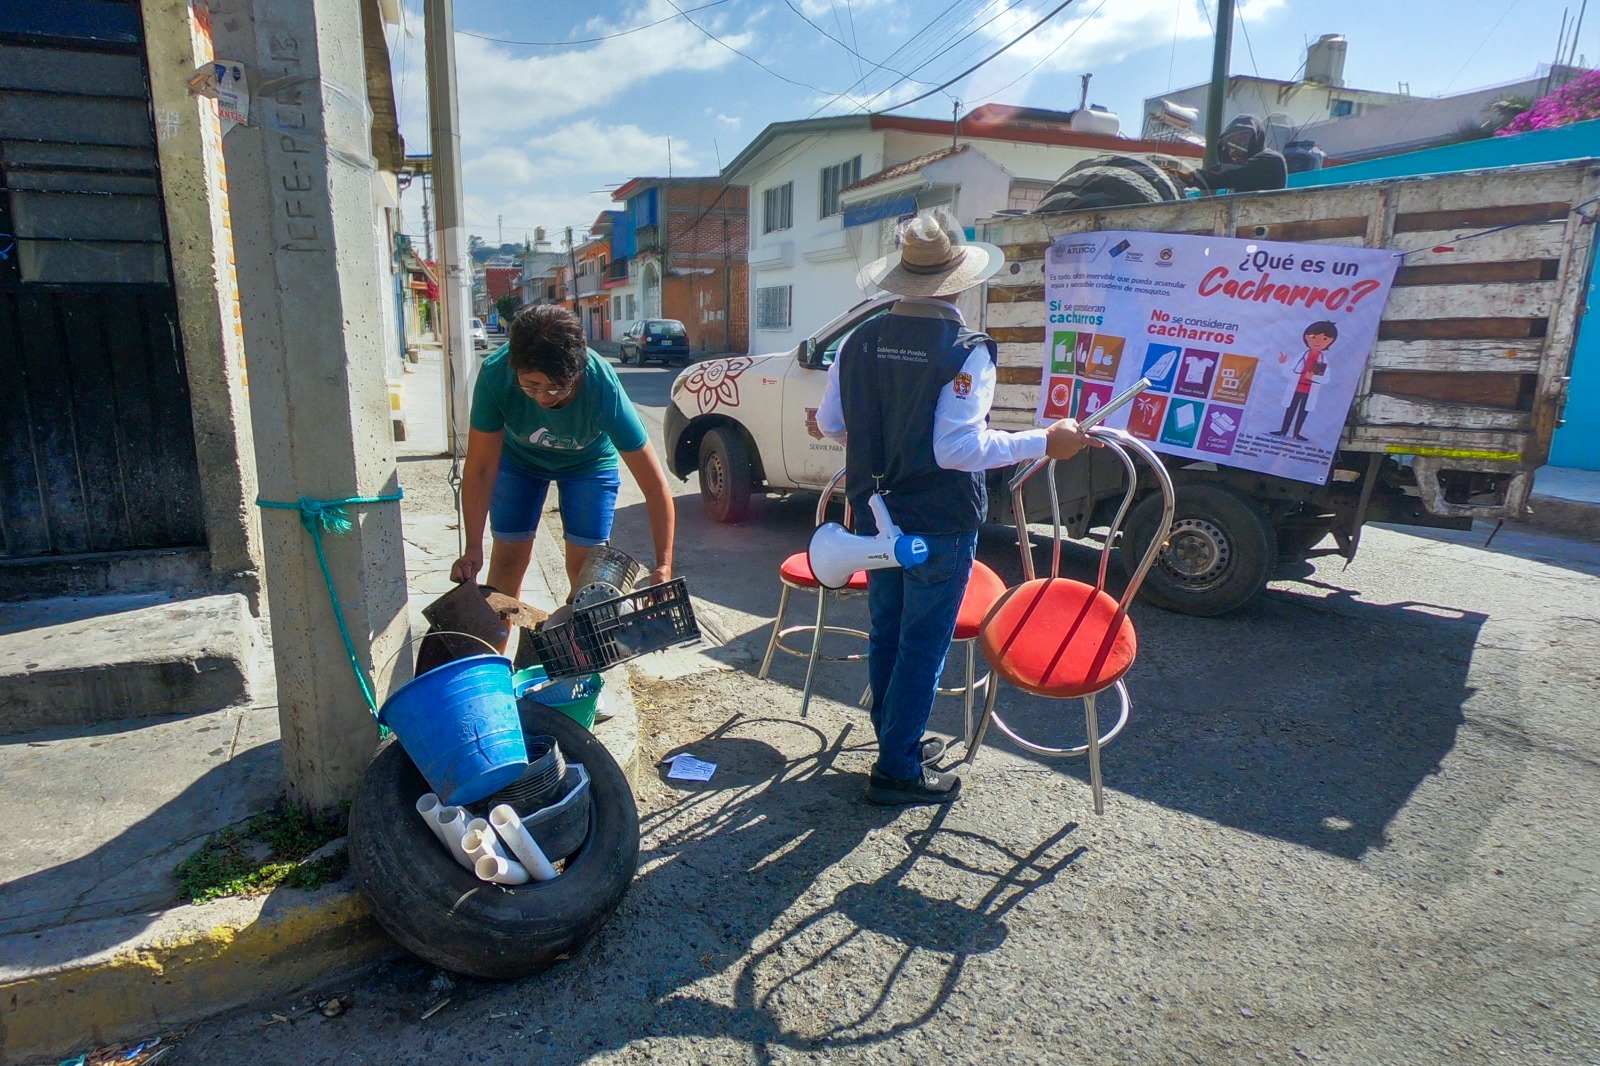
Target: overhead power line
(1070, 35)
(988, 59)
(589, 40)
(744, 55)
(859, 57)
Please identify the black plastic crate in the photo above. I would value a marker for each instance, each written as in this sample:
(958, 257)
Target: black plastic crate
(614, 631)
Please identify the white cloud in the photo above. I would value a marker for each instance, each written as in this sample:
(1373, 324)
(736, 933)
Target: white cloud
(730, 121)
(816, 8)
(1079, 40)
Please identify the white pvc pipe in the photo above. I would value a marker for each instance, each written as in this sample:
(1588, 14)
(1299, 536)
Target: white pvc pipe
(452, 827)
(428, 808)
(485, 843)
(508, 824)
(500, 871)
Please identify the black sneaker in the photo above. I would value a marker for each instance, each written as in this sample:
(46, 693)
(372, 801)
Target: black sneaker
(934, 786)
(932, 749)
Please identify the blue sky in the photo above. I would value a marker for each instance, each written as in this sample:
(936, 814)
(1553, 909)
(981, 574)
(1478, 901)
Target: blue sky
(546, 129)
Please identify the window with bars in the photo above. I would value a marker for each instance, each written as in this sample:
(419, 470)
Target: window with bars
(772, 307)
(777, 208)
(834, 179)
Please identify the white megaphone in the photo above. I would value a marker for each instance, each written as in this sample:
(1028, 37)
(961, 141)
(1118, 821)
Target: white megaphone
(836, 553)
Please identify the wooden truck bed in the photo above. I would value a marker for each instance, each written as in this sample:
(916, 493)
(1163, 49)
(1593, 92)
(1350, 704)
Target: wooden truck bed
(1470, 369)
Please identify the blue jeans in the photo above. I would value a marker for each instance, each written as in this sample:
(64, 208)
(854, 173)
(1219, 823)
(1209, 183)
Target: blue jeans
(913, 619)
(588, 504)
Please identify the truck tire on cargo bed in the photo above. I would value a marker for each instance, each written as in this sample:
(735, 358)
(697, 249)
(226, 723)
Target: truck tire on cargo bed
(441, 912)
(726, 478)
(1218, 555)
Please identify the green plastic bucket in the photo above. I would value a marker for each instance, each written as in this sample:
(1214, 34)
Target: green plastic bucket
(578, 698)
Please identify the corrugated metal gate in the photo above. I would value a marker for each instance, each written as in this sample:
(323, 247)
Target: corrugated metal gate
(96, 441)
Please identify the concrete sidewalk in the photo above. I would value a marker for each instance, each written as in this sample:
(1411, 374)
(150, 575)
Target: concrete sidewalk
(1566, 500)
(94, 948)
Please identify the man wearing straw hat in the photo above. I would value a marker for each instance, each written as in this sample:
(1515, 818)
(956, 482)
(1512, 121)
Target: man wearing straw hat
(909, 398)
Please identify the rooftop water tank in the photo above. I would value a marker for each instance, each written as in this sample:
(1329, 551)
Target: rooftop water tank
(1325, 60)
(1095, 119)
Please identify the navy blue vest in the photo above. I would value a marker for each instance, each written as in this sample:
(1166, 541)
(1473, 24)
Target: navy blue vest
(891, 371)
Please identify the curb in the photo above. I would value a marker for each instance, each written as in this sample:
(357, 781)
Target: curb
(1557, 514)
(176, 968)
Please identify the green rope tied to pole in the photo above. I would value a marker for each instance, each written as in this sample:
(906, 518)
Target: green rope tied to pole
(329, 516)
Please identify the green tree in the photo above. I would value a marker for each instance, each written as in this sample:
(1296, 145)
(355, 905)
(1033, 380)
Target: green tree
(507, 306)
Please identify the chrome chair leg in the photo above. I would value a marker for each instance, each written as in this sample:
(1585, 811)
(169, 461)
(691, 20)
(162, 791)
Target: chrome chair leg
(1091, 723)
(975, 740)
(972, 672)
(777, 624)
(816, 650)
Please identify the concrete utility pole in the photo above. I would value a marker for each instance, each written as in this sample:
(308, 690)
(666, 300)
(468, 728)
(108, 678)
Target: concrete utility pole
(300, 184)
(455, 279)
(1217, 95)
(572, 260)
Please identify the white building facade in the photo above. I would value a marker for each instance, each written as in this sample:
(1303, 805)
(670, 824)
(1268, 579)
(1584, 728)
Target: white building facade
(804, 260)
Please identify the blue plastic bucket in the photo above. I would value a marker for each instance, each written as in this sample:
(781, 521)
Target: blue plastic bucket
(459, 724)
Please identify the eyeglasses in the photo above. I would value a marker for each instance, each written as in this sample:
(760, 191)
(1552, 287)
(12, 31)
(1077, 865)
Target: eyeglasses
(554, 393)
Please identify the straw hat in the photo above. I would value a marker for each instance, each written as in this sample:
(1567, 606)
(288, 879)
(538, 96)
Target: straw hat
(933, 260)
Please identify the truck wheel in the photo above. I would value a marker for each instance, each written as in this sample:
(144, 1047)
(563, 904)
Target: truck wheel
(726, 480)
(1218, 554)
(441, 912)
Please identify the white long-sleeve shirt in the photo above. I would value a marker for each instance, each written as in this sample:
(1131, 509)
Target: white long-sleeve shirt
(962, 439)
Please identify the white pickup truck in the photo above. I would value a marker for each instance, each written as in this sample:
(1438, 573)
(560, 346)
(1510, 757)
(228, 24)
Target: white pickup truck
(1455, 411)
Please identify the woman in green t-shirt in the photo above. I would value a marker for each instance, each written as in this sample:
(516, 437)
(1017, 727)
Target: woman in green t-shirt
(545, 409)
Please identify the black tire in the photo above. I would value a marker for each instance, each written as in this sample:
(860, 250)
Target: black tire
(443, 913)
(1218, 555)
(726, 477)
(622, 356)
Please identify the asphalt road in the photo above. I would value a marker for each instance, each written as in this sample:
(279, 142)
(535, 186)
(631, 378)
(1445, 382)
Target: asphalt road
(1355, 822)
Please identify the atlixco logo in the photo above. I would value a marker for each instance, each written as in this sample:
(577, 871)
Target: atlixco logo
(1076, 248)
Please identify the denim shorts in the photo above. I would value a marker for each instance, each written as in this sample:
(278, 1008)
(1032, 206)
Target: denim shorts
(588, 504)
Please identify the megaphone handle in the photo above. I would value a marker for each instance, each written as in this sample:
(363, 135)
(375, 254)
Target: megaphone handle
(880, 516)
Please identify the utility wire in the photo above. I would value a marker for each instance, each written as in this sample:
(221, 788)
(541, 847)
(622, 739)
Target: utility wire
(859, 57)
(745, 55)
(1070, 34)
(988, 59)
(589, 40)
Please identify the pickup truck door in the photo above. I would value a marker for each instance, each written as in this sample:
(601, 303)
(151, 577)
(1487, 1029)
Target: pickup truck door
(809, 458)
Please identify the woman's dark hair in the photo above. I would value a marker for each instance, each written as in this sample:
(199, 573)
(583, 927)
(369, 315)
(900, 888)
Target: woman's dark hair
(1325, 329)
(548, 339)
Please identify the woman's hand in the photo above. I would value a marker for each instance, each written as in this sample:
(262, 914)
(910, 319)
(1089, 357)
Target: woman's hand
(660, 575)
(466, 568)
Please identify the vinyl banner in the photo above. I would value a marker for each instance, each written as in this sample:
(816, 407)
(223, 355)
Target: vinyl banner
(1254, 349)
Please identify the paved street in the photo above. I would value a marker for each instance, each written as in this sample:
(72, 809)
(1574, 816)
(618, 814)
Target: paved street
(1354, 823)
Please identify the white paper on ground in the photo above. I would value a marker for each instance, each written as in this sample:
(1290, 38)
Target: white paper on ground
(685, 767)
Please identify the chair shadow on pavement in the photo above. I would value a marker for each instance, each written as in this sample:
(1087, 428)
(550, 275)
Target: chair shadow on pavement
(746, 881)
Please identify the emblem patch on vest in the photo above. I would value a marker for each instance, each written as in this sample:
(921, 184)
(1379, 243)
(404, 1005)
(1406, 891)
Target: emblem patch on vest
(962, 385)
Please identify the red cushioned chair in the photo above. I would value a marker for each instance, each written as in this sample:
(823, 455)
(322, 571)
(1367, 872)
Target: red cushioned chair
(1066, 639)
(795, 573)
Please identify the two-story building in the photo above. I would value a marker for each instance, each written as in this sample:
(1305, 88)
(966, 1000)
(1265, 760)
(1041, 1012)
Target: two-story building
(804, 252)
(682, 241)
(591, 268)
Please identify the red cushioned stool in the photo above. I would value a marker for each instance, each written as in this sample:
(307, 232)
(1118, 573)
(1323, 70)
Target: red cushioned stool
(1066, 639)
(795, 573)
